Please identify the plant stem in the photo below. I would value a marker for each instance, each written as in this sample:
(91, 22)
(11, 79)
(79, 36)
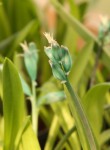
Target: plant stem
(65, 138)
(98, 54)
(84, 130)
(35, 110)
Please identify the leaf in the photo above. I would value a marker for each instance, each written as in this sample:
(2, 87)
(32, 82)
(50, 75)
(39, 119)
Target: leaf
(104, 137)
(25, 87)
(29, 140)
(31, 59)
(61, 110)
(21, 130)
(77, 26)
(4, 26)
(80, 64)
(106, 59)
(82, 124)
(94, 102)
(51, 97)
(26, 137)
(21, 35)
(65, 138)
(53, 133)
(1, 84)
(66, 122)
(7, 41)
(13, 104)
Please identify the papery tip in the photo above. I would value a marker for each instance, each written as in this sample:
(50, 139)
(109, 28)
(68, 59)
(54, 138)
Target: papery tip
(24, 46)
(64, 81)
(49, 38)
(50, 62)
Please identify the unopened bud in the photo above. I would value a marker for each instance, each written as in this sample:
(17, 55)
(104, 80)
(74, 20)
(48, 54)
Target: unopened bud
(66, 60)
(58, 72)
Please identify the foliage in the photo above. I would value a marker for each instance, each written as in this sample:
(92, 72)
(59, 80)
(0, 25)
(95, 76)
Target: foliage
(36, 110)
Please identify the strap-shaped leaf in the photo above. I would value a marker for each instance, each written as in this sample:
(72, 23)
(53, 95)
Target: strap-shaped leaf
(94, 102)
(29, 140)
(26, 138)
(13, 104)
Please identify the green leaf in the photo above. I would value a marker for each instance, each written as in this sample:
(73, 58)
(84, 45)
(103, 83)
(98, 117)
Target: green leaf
(77, 26)
(104, 137)
(25, 87)
(31, 59)
(80, 64)
(1, 84)
(13, 104)
(65, 138)
(51, 97)
(106, 59)
(29, 140)
(66, 122)
(4, 26)
(26, 137)
(94, 102)
(21, 35)
(53, 133)
(82, 124)
(21, 130)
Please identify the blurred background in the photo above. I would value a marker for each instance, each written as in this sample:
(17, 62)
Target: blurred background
(27, 20)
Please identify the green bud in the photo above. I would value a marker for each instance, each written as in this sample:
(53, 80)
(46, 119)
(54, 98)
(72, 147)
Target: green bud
(32, 47)
(56, 51)
(101, 32)
(66, 60)
(31, 59)
(58, 72)
(48, 51)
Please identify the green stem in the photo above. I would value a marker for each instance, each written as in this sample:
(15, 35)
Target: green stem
(35, 111)
(84, 130)
(65, 138)
(98, 55)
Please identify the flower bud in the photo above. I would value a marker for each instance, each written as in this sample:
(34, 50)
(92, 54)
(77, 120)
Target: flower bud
(66, 60)
(58, 72)
(56, 51)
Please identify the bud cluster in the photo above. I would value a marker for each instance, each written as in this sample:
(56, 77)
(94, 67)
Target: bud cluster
(59, 59)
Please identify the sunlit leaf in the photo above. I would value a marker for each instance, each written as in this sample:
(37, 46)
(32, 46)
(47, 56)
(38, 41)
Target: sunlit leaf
(94, 102)
(29, 140)
(13, 104)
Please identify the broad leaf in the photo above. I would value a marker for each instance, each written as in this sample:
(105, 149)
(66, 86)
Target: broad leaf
(94, 102)
(26, 138)
(29, 140)
(13, 104)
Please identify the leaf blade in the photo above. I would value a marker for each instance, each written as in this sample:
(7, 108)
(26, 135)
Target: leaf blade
(13, 99)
